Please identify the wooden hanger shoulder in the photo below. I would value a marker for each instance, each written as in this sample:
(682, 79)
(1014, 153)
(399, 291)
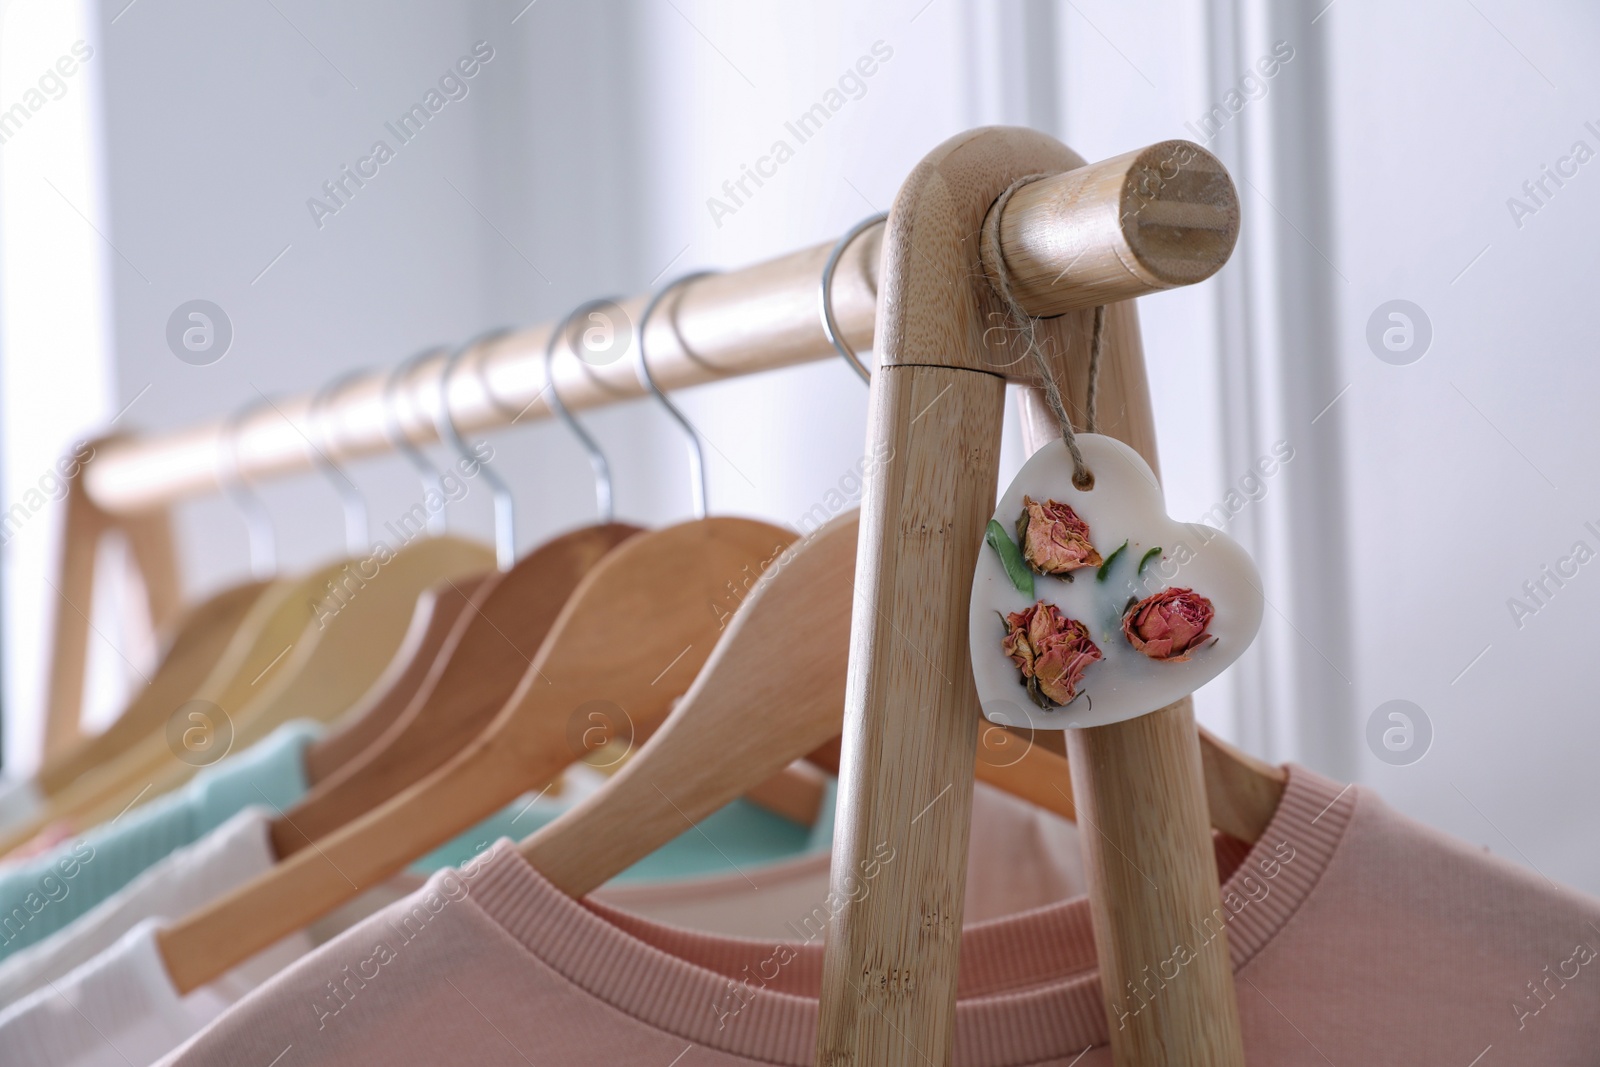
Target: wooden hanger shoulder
(146, 769)
(631, 638)
(497, 640)
(303, 660)
(352, 631)
(1242, 791)
(199, 642)
(772, 691)
(355, 625)
(432, 625)
(265, 644)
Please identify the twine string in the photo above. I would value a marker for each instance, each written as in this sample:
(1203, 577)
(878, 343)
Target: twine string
(1027, 327)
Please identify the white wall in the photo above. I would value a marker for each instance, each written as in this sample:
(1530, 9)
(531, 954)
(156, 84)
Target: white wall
(1377, 165)
(1372, 165)
(56, 380)
(1474, 467)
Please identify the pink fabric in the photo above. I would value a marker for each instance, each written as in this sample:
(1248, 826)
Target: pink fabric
(1358, 937)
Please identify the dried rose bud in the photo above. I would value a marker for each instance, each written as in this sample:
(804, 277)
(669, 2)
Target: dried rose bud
(1051, 650)
(1053, 539)
(1169, 625)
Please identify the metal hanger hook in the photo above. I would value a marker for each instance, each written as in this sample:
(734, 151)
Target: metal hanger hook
(505, 533)
(355, 505)
(597, 458)
(697, 457)
(830, 326)
(432, 477)
(263, 537)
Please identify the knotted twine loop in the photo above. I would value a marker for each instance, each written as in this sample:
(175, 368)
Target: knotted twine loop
(1027, 327)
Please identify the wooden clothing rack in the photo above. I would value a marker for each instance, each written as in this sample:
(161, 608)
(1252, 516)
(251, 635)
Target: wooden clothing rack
(921, 293)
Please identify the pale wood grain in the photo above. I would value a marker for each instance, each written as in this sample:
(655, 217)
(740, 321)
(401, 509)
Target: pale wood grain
(256, 655)
(1242, 792)
(153, 554)
(201, 638)
(432, 623)
(1159, 217)
(302, 662)
(81, 529)
(912, 716)
(911, 722)
(463, 689)
(147, 532)
(771, 691)
(1153, 886)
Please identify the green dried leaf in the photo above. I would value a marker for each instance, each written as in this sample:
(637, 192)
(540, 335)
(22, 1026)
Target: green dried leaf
(1148, 556)
(1010, 557)
(1105, 568)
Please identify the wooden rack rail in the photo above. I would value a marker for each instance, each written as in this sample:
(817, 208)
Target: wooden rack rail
(921, 293)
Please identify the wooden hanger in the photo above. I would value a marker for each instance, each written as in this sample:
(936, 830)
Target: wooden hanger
(353, 647)
(199, 642)
(783, 654)
(291, 667)
(361, 728)
(465, 688)
(362, 617)
(432, 625)
(630, 639)
(320, 645)
(486, 659)
(254, 658)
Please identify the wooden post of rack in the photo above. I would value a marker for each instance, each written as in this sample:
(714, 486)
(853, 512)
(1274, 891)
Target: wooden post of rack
(1154, 820)
(1153, 219)
(148, 534)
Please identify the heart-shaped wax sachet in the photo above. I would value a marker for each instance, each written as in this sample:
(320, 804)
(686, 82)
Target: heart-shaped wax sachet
(1091, 607)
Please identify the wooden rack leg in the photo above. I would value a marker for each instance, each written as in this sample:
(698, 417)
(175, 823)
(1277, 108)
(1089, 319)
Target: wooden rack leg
(150, 550)
(1140, 794)
(150, 546)
(1159, 927)
(921, 527)
(69, 647)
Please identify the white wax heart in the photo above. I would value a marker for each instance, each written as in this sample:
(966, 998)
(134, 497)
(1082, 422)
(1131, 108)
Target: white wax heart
(1124, 505)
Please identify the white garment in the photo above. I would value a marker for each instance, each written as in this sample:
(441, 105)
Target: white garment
(186, 880)
(121, 1010)
(19, 802)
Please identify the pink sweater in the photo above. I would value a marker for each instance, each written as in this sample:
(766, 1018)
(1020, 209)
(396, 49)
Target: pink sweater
(1358, 937)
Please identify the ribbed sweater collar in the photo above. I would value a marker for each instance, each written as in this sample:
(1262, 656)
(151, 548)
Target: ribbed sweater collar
(1028, 987)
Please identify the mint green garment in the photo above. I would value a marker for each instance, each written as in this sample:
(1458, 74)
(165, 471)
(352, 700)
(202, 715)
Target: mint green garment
(40, 895)
(738, 837)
